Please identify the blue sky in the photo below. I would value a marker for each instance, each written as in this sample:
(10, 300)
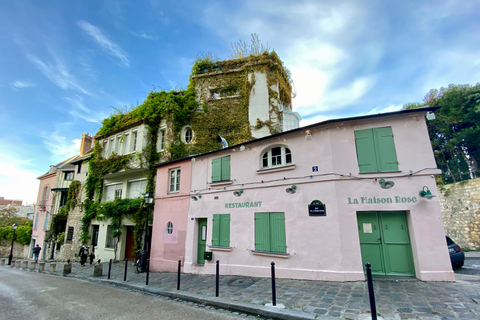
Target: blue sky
(65, 64)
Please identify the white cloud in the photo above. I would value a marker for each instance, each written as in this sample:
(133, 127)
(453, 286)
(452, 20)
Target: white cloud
(17, 182)
(108, 45)
(60, 147)
(81, 111)
(57, 73)
(144, 36)
(23, 84)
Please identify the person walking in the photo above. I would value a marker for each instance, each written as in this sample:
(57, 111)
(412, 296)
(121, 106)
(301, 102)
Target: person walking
(83, 253)
(36, 252)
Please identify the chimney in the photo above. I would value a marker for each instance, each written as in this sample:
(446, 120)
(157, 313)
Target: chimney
(86, 143)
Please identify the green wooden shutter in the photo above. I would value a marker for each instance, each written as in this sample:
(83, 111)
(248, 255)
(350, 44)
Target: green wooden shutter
(225, 230)
(277, 232)
(216, 170)
(216, 230)
(225, 175)
(386, 153)
(366, 153)
(262, 233)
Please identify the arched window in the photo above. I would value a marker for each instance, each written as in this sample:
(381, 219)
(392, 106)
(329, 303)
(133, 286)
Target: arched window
(276, 157)
(169, 227)
(187, 134)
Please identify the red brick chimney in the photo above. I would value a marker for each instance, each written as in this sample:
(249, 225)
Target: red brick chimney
(86, 143)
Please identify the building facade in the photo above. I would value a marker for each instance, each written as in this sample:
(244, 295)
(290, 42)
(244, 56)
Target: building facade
(321, 201)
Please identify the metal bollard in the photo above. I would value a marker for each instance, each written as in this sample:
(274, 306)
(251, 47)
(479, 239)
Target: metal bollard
(178, 278)
(148, 272)
(109, 269)
(217, 278)
(125, 275)
(373, 308)
(274, 293)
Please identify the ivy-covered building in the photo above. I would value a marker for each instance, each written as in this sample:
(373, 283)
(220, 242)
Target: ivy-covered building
(240, 100)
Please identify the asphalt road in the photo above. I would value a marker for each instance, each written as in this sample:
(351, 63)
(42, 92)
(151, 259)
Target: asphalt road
(31, 295)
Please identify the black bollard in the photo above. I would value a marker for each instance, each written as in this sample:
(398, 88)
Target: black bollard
(178, 278)
(217, 278)
(274, 293)
(125, 275)
(109, 269)
(373, 308)
(148, 272)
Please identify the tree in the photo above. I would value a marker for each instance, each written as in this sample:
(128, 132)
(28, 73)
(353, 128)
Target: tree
(455, 133)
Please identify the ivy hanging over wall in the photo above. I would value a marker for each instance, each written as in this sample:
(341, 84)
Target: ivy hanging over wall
(176, 108)
(59, 221)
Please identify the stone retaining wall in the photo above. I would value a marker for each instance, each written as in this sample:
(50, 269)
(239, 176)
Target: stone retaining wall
(460, 205)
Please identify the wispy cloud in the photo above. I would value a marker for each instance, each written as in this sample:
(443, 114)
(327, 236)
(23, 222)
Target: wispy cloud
(23, 84)
(144, 36)
(60, 147)
(78, 109)
(57, 73)
(109, 46)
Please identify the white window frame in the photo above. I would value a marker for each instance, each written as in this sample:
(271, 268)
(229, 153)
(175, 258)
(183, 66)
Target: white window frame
(174, 185)
(110, 240)
(271, 159)
(161, 139)
(111, 147)
(118, 150)
(187, 139)
(134, 140)
(126, 140)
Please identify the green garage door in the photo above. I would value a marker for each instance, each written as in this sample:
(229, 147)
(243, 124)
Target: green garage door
(385, 242)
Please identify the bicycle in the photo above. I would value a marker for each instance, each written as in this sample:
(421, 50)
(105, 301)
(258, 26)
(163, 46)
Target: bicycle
(138, 260)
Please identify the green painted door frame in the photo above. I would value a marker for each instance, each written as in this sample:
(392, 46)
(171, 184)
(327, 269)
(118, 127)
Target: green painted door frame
(202, 240)
(385, 242)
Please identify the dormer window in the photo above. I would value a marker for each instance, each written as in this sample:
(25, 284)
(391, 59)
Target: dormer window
(276, 157)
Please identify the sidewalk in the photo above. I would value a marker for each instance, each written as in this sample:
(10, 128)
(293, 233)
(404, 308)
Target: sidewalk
(396, 298)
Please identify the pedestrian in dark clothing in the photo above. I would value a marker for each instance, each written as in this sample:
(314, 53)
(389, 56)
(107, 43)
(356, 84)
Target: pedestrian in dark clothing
(36, 252)
(92, 256)
(83, 253)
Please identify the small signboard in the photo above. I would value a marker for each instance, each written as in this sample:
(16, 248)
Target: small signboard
(317, 208)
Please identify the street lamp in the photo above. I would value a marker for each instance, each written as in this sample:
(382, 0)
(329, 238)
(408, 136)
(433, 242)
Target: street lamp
(148, 200)
(14, 226)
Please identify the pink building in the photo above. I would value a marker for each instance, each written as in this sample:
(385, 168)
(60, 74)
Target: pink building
(172, 201)
(320, 201)
(42, 212)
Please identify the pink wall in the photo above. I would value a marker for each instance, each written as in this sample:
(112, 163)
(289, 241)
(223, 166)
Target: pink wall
(321, 248)
(167, 249)
(41, 207)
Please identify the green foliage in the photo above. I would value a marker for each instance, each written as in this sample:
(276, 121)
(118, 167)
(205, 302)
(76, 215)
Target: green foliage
(59, 221)
(61, 237)
(22, 234)
(455, 133)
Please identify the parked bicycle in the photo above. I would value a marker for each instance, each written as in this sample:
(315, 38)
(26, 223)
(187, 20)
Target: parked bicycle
(138, 260)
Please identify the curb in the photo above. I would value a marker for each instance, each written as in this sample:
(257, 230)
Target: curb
(244, 307)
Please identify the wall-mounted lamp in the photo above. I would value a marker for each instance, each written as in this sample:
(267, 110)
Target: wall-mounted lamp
(308, 136)
(384, 184)
(425, 193)
(242, 148)
(292, 189)
(238, 193)
(430, 116)
(196, 197)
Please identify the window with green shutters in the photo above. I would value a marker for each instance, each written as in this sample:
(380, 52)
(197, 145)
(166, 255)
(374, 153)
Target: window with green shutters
(376, 150)
(270, 232)
(221, 230)
(221, 169)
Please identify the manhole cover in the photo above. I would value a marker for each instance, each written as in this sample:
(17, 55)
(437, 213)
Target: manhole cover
(241, 282)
